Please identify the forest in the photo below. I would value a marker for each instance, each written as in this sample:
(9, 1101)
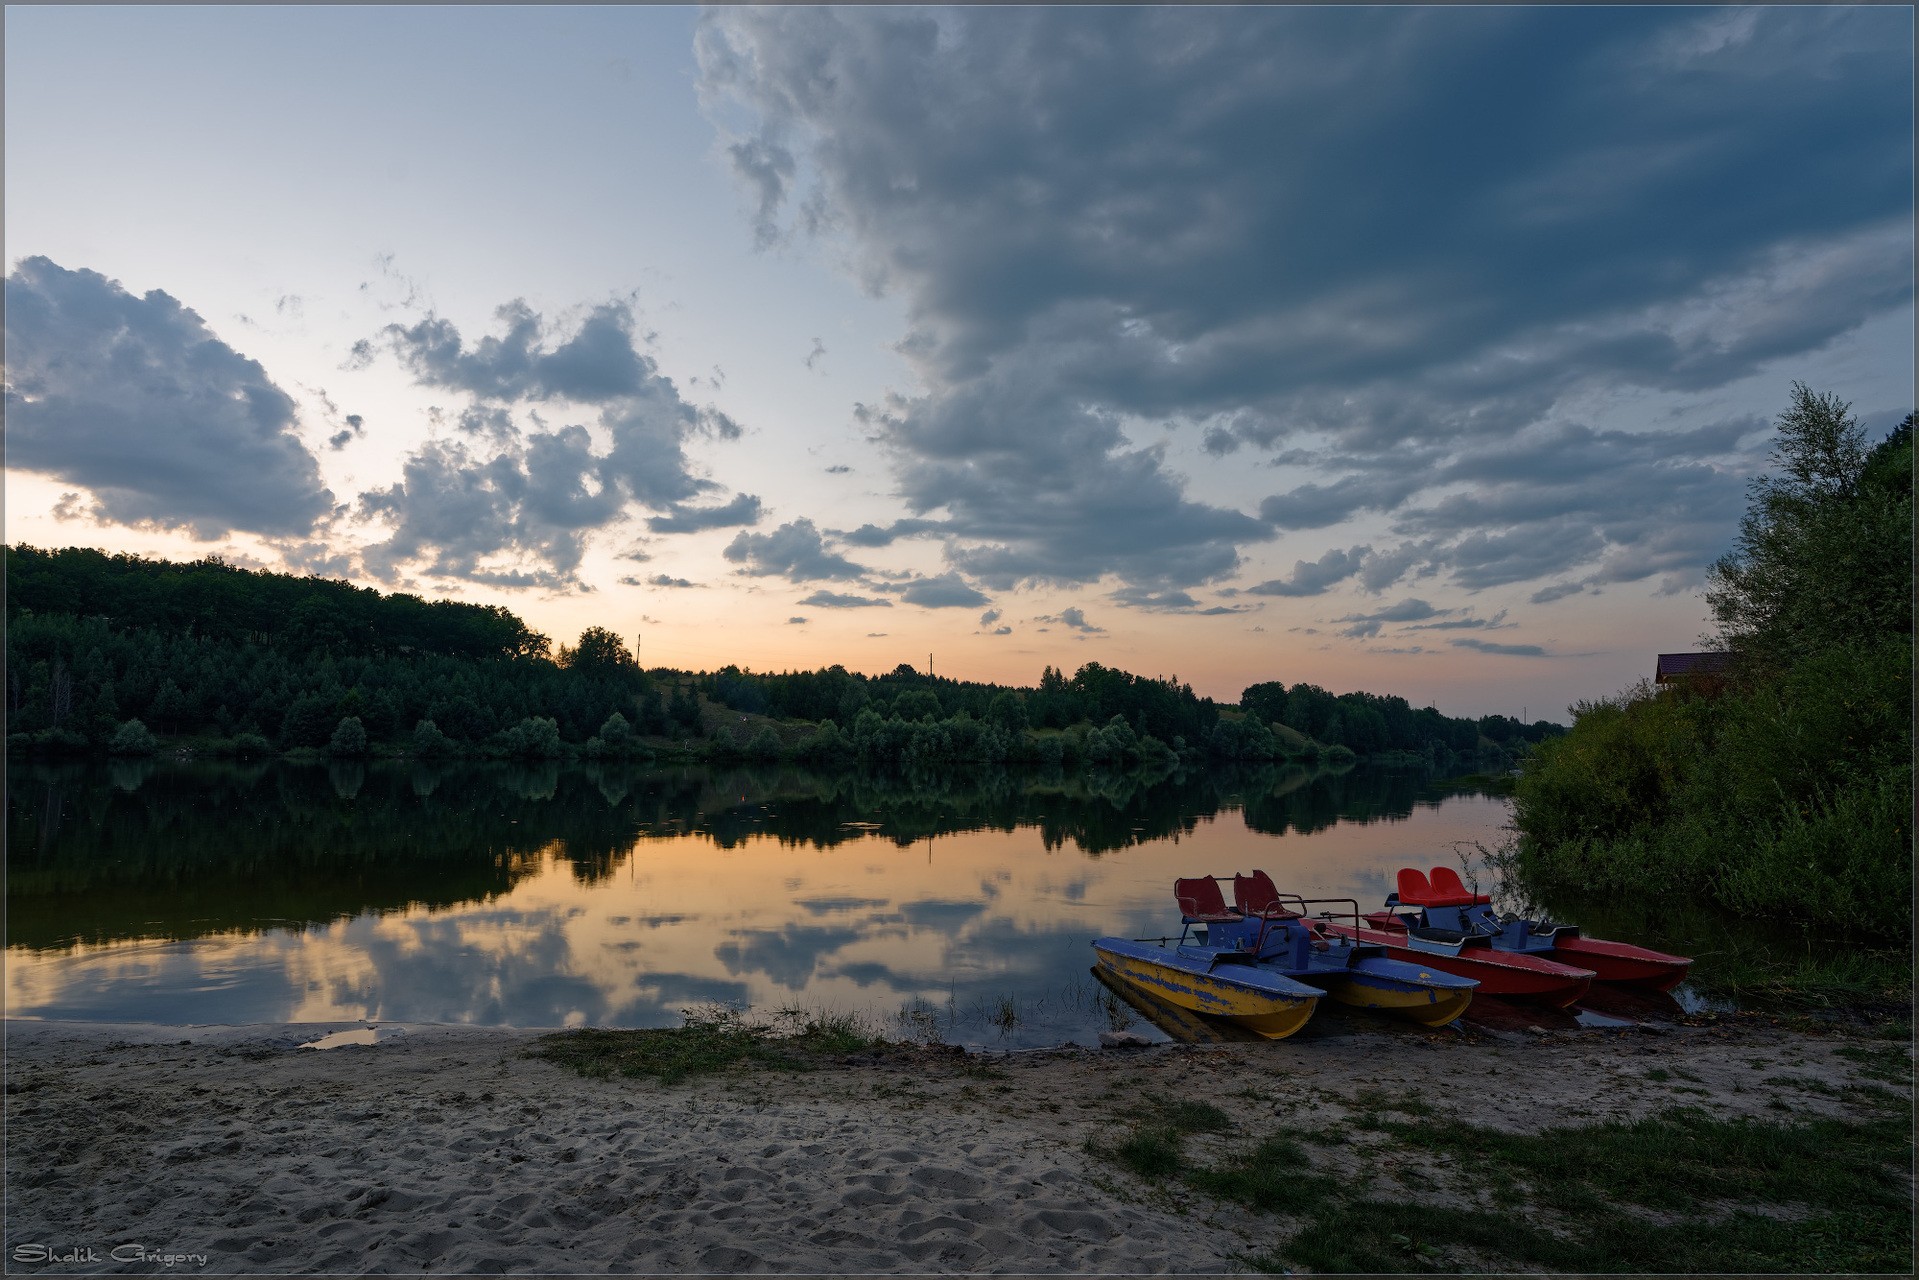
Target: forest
(126, 655)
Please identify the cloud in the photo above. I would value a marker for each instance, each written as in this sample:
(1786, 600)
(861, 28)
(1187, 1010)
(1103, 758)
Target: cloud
(1039, 490)
(796, 621)
(517, 520)
(137, 400)
(1151, 601)
(355, 428)
(597, 364)
(1311, 578)
(1495, 623)
(744, 509)
(667, 580)
(988, 618)
(794, 551)
(1513, 650)
(1098, 221)
(1313, 506)
(835, 600)
(1364, 625)
(948, 591)
(839, 469)
(1557, 591)
(1074, 618)
(541, 493)
(813, 357)
(871, 535)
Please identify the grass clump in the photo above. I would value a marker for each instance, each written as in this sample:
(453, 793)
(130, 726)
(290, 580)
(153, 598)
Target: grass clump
(1880, 1062)
(1153, 1148)
(711, 1039)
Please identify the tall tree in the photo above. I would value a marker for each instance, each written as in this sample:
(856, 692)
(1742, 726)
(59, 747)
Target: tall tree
(1824, 555)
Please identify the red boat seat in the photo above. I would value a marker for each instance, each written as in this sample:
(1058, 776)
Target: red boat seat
(1413, 889)
(1447, 884)
(1200, 900)
(1257, 895)
(1415, 892)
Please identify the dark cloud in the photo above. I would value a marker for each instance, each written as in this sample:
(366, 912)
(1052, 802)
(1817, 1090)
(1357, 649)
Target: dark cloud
(794, 551)
(596, 364)
(1495, 623)
(455, 516)
(1043, 490)
(1002, 631)
(1355, 228)
(667, 580)
(840, 469)
(521, 516)
(744, 509)
(835, 600)
(1512, 650)
(948, 591)
(1175, 602)
(1364, 625)
(813, 357)
(1311, 578)
(488, 421)
(1074, 618)
(1558, 591)
(871, 535)
(1313, 506)
(796, 621)
(137, 400)
(988, 618)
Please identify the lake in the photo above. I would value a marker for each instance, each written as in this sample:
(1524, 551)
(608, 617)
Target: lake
(620, 895)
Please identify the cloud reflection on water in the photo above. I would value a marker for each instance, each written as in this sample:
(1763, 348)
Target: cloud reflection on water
(639, 932)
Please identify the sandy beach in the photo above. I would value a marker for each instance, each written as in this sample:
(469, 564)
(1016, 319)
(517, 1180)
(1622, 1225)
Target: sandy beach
(447, 1150)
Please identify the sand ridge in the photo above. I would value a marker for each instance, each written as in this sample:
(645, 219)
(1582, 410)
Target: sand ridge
(448, 1151)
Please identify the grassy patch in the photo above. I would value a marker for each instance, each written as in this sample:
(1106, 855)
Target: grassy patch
(1682, 1191)
(712, 1039)
(1886, 1062)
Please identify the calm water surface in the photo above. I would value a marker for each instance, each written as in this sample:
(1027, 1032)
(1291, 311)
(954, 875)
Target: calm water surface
(619, 896)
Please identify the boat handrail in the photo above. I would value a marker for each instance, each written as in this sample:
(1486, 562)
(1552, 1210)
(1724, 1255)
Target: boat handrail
(1352, 903)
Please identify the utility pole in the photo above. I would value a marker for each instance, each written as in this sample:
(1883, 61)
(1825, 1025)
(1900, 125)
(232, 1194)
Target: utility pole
(929, 666)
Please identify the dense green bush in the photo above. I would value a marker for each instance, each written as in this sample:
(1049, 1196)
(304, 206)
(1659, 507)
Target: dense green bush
(133, 739)
(1787, 791)
(534, 738)
(349, 738)
(429, 741)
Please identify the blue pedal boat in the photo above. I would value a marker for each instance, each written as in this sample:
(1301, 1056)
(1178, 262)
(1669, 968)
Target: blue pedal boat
(1224, 980)
(1265, 923)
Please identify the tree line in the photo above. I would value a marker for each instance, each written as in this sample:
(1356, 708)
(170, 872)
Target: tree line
(117, 653)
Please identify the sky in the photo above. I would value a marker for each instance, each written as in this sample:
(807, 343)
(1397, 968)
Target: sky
(1425, 351)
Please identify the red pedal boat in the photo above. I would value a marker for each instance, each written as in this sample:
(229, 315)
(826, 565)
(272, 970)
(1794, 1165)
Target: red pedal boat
(1499, 973)
(1443, 903)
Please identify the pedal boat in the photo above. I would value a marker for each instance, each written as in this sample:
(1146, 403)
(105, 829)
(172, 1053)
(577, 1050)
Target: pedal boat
(1354, 973)
(1222, 980)
(1443, 902)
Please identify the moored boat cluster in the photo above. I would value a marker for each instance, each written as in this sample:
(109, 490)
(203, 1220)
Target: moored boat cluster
(1264, 964)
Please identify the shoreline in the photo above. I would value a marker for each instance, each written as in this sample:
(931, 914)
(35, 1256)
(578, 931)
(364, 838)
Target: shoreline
(447, 1150)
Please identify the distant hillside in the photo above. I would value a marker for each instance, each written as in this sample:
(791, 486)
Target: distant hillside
(212, 598)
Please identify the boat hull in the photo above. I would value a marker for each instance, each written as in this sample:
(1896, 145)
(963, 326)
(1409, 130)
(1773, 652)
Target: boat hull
(1415, 991)
(1623, 963)
(1499, 973)
(1260, 1000)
